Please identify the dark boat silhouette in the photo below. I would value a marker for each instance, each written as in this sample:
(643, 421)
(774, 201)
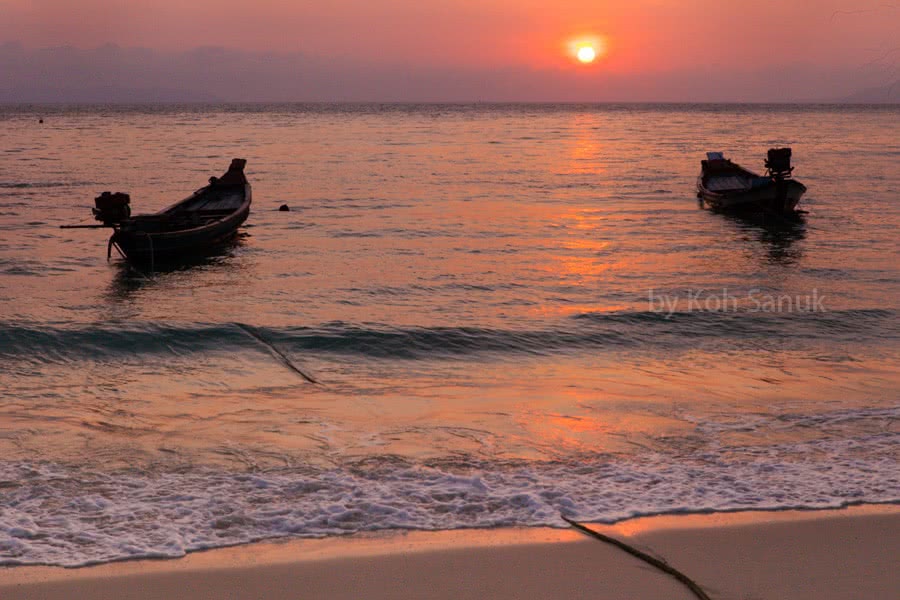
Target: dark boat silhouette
(195, 226)
(725, 185)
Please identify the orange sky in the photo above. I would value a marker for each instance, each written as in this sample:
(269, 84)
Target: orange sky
(643, 34)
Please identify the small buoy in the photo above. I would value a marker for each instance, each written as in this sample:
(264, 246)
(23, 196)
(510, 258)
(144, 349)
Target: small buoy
(40, 120)
(284, 208)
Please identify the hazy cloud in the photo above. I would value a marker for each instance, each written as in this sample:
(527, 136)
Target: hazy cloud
(110, 73)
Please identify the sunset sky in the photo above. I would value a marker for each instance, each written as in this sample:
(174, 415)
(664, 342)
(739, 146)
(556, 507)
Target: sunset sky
(469, 49)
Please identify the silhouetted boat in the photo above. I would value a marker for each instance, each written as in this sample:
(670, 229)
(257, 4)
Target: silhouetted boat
(189, 228)
(725, 185)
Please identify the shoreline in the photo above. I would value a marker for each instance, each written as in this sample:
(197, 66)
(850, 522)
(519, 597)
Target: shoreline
(759, 554)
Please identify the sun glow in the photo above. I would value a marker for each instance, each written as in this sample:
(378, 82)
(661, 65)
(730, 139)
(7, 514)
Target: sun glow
(586, 54)
(586, 49)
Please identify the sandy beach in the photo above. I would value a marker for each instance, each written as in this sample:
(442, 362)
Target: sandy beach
(820, 555)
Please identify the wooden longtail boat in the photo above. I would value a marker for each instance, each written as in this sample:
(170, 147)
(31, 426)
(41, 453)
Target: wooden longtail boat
(725, 185)
(192, 227)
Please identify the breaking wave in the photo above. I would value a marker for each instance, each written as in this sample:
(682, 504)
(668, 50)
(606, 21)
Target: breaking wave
(70, 516)
(589, 331)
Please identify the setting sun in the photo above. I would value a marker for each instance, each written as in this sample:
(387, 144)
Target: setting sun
(586, 49)
(586, 54)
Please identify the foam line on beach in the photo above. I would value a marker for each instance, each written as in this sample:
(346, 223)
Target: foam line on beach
(71, 516)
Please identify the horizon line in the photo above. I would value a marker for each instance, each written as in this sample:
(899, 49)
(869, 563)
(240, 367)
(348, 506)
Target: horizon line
(58, 103)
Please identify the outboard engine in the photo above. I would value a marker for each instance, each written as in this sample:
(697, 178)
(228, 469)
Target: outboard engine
(112, 208)
(778, 163)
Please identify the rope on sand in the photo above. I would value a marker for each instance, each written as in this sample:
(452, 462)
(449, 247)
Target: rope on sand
(659, 564)
(276, 352)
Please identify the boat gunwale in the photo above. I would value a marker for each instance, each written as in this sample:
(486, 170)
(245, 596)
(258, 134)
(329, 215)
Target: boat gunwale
(705, 176)
(244, 207)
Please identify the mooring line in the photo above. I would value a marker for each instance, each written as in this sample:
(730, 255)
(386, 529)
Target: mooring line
(659, 564)
(127, 262)
(278, 353)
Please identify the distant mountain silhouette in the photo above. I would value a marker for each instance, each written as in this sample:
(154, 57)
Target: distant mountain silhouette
(107, 94)
(889, 94)
(115, 74)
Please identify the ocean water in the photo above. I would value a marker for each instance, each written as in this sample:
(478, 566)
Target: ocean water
(508, 313)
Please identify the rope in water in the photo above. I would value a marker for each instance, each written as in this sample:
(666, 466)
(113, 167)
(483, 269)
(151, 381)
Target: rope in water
(112, 245)
(278, 353)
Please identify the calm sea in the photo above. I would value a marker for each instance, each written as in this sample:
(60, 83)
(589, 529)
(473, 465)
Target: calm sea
(512, 313)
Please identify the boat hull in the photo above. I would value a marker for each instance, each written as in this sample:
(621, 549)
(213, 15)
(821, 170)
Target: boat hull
(196, 226)
(766, 198)
(142, 246)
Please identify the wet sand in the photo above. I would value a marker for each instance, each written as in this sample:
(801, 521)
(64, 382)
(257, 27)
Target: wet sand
(820, 555)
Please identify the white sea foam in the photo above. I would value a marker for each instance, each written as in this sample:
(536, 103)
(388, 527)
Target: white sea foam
(65, 516)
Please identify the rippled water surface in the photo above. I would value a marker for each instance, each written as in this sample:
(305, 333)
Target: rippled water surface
(472, 316)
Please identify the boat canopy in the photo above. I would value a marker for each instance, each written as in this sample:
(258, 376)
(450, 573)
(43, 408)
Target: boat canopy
(715, 156)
